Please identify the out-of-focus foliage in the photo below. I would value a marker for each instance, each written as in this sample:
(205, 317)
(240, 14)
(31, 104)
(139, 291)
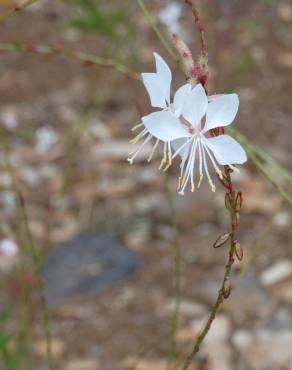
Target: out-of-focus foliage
(8, 357)
(113, 23)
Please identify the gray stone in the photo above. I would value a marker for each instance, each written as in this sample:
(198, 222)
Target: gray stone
(85, 266)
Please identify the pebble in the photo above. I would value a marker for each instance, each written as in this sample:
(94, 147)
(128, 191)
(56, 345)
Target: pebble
(276, 273)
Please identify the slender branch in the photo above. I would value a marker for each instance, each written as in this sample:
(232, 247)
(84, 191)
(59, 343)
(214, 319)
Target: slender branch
(16, 9)
(71, 54)
(37, 264)
(200, 27)
(225, 288)
(152, 24)
(178, 274)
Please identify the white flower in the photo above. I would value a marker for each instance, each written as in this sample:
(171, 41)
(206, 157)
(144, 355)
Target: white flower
(199, 117)
(158, 87)
(184, 126)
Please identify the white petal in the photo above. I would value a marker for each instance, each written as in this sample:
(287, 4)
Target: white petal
(164, 73)
(221, 111)
(195, 105)
(155, 90)
(158, 84)
(180, 98)
(164, 126)
(226, 150)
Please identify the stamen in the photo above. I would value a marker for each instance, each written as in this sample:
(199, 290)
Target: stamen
(200, 181)
(235, 169)
(193, 167)
(137, 126)
(218, 171)
(134, 154)
(153, 150)
(139, 136)
(169, 158)
(200, 166)
(164, 158)
(213, 188)
(182, 166)
(181, 147)
(188, 170)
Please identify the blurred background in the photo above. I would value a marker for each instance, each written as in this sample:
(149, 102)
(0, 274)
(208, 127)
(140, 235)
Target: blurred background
(103, 228)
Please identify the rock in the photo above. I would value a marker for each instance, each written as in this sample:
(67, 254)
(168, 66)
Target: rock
(285, 12)
(85, 265)
(276, 273)
(187, 308)
(144, 364)
(82, 364)
(215, 345)
(285, 60)
(265, 349)
(46, 137)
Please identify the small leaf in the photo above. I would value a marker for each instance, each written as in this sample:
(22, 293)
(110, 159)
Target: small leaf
(227, 288)
(238, 250)
(221, 240)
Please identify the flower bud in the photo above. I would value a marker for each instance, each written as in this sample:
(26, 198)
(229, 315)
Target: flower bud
(226, 288)
(221, 240)
(238, 250)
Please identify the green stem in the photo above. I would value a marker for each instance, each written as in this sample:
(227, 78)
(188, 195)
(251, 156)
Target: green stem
(178, 274)
(38, 267)
(152, 24)
(71, 54)
(16, 9)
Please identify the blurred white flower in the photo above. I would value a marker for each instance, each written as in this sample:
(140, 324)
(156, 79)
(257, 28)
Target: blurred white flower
(8, 247)
(170, 17)
(46, 138)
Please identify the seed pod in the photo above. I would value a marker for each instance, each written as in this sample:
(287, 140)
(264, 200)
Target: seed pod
(238, 250)
(227, 288)
(221, 240)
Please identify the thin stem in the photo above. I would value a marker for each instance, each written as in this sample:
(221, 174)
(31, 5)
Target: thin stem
(33, 254)
(16, 9)
(37, 264)
(71, 54)
(200, 27)
(24, 336)
(178, 274)
(222, 291)
(152, 24)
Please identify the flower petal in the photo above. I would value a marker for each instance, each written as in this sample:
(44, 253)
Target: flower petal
(158, 84)
(164, 126)
(180, 98)
(195, 105)
(221, 111)
(226, 150)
